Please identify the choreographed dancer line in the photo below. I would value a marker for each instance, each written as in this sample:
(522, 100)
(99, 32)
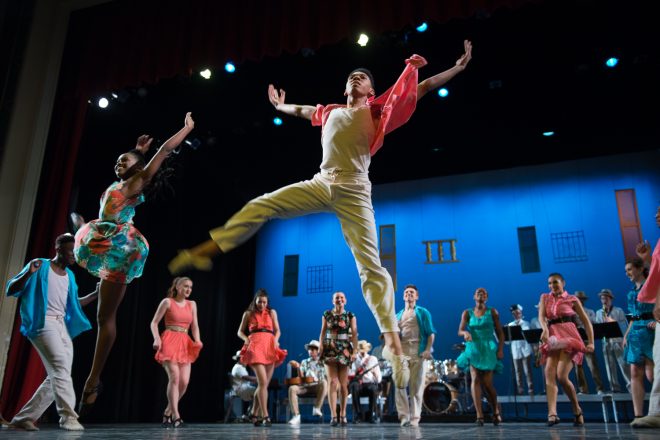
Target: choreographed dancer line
(112, 249)
(351, 134)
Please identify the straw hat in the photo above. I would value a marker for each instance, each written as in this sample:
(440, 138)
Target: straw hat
(606, 292)
(364, 346)
(581, 295)
(313, 343)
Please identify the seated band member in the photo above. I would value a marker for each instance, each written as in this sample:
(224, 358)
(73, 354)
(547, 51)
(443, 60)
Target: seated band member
(244, 385)
(312, 368)
(365, 382)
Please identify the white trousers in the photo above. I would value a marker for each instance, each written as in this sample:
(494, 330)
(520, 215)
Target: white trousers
(613, 354)
(55, 348)
(348, 196)
(409, 401)
(654, 399)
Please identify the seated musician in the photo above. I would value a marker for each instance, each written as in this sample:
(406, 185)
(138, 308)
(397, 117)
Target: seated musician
(366, 378)
(242, 383)
(311, 380)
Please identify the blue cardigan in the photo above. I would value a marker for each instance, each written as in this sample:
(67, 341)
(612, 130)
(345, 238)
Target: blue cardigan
(425, 325)
(34, 301)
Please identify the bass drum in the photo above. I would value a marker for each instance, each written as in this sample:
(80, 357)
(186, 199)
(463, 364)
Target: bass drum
(438, 397)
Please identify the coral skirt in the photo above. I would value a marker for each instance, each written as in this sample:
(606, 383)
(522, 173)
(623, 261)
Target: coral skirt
(564, 337)
(177, 347)
(260, 349)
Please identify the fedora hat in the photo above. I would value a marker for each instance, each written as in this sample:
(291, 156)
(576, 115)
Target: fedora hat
(313, 343)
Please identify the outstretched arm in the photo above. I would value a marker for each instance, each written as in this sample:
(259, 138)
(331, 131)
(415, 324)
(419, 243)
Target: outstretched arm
(136, 183)
(442, 78)
(84, 300)
(277, 99)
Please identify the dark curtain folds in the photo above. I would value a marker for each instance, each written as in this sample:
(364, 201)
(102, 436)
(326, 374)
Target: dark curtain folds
(126, 43)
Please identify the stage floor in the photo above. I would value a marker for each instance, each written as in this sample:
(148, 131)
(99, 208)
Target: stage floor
(384, 431)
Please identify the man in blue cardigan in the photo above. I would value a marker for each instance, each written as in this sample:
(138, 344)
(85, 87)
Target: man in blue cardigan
(51, 315)
(417, 336)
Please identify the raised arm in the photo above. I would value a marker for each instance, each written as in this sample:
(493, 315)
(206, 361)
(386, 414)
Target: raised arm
(136, 183)
(195, 325)
(16, 285)
(277, 99)
(160, 312)
(442, 78)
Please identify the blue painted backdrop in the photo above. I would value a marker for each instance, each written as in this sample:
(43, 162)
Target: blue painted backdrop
(482, 212)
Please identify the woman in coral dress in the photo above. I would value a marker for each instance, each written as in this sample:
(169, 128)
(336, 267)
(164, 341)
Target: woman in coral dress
(175, 350)
(483, 354)
(112, 249)
(562, 344)
(338, 350)
(260, 331)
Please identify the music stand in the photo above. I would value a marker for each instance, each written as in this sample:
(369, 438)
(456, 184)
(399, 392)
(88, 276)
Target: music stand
(607, 330)
(533, 335)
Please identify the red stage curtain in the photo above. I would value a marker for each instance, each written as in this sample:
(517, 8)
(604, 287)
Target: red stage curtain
(126, 43)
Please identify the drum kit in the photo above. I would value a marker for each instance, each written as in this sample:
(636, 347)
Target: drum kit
(444, 385)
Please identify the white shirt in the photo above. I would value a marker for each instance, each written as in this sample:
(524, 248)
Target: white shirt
(346, 137)
(365, 363)
(58, 292)
(237, 373)
(521, 348)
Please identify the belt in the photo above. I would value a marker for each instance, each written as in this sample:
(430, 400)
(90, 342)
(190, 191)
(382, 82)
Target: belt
(176, 328)
(55, 317)
(340, 337)
(643, 317)
(262, 330)
(561, 320)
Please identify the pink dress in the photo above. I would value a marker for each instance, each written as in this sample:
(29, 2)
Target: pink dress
(260, 348)
(563, 335)
(177, 346)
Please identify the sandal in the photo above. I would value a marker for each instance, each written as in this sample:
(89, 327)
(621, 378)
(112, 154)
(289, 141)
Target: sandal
(266, 422)
(344, 422)
(479, 421)
(333, 421)
(167, 421)
(577, 418)
(497, 419)
(553, 419)
(178, 423)
(85, 407)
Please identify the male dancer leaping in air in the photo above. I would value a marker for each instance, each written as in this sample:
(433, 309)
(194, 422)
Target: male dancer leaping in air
(351, 134)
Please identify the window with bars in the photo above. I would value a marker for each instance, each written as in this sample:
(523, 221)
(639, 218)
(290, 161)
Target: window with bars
(319, 278)
(569, 247)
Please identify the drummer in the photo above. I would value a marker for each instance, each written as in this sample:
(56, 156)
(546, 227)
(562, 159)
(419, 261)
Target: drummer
(313, 381)
(417, 336)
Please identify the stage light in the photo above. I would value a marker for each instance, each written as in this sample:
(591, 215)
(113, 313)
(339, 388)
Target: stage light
(422, 27)
(548, 133)
(115, 96)
(612, 62)
(206, 74)
(363, 40)
(230, 68)
(103, 102)
(277, 121)
(443, 93)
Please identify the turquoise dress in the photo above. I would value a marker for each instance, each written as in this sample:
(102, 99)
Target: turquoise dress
(640, 338)
(481, 352)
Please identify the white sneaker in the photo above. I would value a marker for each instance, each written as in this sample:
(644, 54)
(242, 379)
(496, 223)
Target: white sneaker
(404, 422)
(317, 412)
(71, 424)
(295, 420)
(400, 368)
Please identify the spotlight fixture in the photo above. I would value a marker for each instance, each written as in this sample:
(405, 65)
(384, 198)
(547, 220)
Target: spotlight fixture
(229, 67)
(443, 93)
(422, 27)
(103, 102)
(363, 40)
(277, 121)
(206, 74)
(612, 62)
(548, 133)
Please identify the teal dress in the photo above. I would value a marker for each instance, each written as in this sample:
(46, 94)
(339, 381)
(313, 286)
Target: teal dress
(481, 352)
(640, 338)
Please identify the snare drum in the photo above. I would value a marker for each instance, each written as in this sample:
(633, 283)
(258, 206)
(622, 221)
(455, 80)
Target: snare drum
(438, 397)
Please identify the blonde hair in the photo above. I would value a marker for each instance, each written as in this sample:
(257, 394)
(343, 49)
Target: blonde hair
(171, 292)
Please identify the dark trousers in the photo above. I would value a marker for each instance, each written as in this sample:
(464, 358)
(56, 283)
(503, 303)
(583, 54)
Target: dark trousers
(358, 390)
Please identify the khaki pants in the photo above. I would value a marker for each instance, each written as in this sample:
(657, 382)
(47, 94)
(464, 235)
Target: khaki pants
(320, 389)
(348, 196)
(409, 402)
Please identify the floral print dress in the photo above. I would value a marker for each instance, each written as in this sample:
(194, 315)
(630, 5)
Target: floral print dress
(337, 346)
(110, 247)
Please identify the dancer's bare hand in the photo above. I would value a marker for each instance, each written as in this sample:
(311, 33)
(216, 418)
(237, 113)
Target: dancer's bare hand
(34, 265)
(156, 344)
(467, 56)
(467, 336)
(643, 250)
(590, 348)
(143, 143)
(417, 61)
(188, 122)
(276, 97)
